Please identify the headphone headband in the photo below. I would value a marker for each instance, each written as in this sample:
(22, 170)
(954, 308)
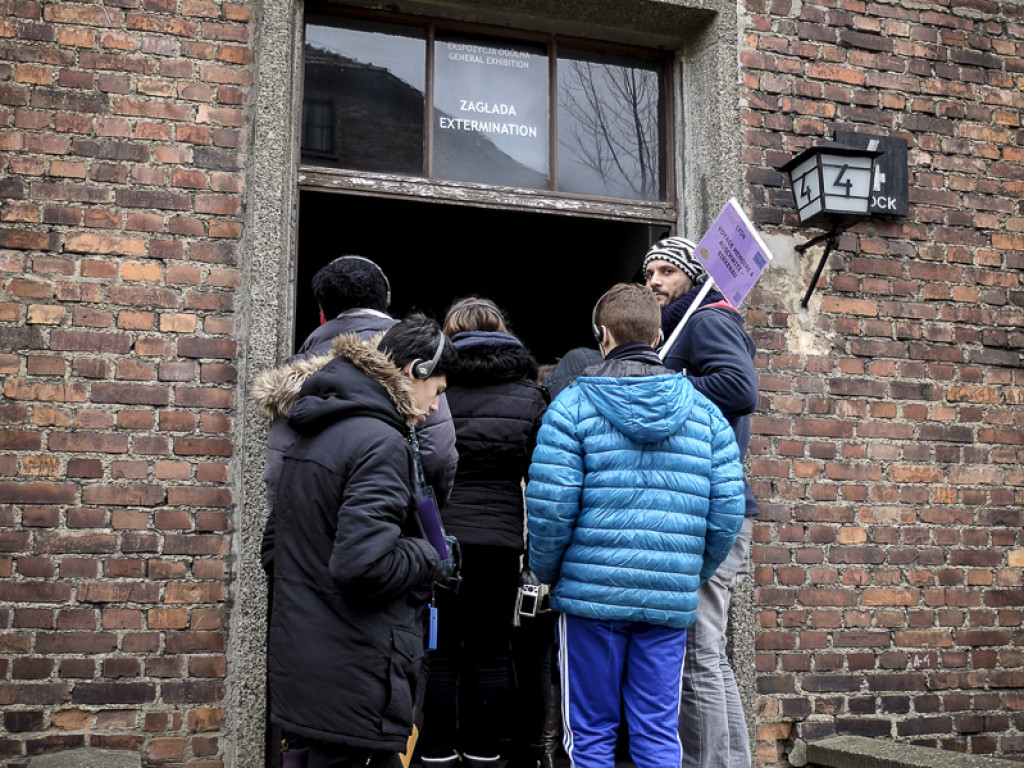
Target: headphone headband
(475, 303)
(423, 369)
(387, 283)
(598, 330)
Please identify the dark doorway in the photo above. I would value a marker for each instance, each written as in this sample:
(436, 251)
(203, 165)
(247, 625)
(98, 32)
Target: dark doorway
(546, 271)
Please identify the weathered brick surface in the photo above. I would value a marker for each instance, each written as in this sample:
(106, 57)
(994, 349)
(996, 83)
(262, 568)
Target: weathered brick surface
(117, 237)
(887, 563)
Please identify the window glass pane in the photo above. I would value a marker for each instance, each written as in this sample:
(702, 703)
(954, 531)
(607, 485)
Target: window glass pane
(490, 111)
(609, 126)
(363, 97)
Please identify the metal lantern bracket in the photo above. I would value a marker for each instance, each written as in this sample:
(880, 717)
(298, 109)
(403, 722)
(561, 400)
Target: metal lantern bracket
(831, 240)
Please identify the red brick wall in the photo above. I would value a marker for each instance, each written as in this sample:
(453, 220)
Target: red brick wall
(122, 148)
(888, 563)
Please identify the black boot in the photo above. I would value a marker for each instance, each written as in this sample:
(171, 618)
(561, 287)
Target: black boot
(548, 754)
(551, 736)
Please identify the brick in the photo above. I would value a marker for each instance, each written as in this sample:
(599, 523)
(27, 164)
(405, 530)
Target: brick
(85, 468)
(91, 318)
(207, 348)
(146, 445)
(137, 198)
(199, 497)
(40, 466)
(882, 597)
(35, 365)
(130, 394)
(143, 296)
(178, 323)
(34, 592)
(173, 421)
(91, 368)
(88, 443)
(134, 470)
(145, 222)
(175, 371)
(113, 693)
(135, 321)
(134, 370)
(99, 268)
(90, 341)
(165, 250)
(16, 440)
(132, 495)
(37, 493)
(27, 240)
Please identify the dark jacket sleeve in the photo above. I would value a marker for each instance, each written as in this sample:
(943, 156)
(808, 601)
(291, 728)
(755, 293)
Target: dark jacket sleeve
(281, 437)
(371, 559)
(437, 447)
(569, 368)
(717, 356)
(544, 400)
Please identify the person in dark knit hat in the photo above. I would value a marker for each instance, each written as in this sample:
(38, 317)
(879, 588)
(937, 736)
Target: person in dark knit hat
(353, 294)
(716, 354)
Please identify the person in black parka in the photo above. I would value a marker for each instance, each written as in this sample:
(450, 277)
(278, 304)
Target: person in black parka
(352, 572)
(353, 295)
(497, 406)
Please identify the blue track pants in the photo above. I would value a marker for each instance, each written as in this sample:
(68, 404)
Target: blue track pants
(603, 663)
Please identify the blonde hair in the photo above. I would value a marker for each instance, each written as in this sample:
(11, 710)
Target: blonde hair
(474, 314)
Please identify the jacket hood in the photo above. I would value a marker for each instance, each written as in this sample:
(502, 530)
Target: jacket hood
(365, 322)
(277, 390)
(490, 357)
(636, 405)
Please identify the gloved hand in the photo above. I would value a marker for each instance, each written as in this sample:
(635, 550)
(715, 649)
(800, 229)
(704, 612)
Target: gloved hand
(526, 576)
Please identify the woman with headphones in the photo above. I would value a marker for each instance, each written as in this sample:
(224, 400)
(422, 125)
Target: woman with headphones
(497, 406)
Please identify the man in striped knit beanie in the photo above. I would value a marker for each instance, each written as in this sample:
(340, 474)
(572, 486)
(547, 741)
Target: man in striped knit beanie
(713, 351)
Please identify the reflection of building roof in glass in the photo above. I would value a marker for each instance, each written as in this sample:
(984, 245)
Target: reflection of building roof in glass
(375, 119)
(315, 55)
(378, 126)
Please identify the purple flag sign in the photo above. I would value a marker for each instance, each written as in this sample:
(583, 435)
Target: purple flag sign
(733, 253)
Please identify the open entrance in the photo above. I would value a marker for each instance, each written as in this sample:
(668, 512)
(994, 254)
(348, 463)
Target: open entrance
(546, 271)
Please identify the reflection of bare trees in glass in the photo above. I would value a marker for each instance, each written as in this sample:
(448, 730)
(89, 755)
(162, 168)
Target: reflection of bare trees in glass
(613, 124)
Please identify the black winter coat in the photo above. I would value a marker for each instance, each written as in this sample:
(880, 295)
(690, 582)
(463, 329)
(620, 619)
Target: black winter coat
(436, 434)
(497, 406)
(351, 574)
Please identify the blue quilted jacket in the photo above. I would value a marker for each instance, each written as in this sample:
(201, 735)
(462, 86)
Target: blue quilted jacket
(635, 497)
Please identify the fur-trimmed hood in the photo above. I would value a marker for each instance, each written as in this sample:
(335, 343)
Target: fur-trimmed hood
(276, 391)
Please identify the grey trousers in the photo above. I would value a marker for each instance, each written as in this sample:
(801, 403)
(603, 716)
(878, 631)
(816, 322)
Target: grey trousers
(711, 723)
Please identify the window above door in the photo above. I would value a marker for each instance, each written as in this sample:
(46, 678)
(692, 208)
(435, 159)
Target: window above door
(461, 112)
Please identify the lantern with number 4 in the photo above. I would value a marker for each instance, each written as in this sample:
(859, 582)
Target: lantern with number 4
(831, 180)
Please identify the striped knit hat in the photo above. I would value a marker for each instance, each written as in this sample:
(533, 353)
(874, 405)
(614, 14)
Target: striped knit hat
(679, 252)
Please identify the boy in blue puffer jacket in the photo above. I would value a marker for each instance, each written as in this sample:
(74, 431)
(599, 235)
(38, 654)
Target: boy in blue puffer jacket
(635, 498)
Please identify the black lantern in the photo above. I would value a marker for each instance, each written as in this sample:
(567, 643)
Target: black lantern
(831, 183)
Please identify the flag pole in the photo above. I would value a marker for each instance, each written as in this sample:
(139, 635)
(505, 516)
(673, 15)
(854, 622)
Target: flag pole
(694, 306)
